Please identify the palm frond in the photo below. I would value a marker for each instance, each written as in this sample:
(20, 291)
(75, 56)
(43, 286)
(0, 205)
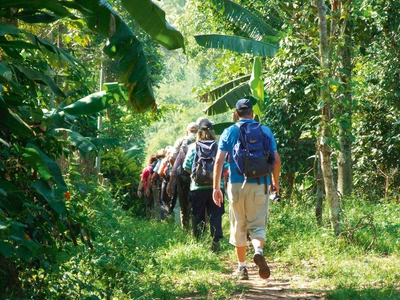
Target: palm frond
(222, 89)
(251, 24)
(228, 100)
(151, 19)
(237, 44)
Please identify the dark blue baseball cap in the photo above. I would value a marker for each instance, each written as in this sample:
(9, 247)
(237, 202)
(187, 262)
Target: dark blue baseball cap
(205, 124)
(244, 104)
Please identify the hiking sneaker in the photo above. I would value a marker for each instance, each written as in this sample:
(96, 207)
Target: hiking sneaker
(263, 269)
(241, 274)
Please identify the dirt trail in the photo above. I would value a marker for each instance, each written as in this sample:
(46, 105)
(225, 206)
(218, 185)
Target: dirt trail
(280, 287)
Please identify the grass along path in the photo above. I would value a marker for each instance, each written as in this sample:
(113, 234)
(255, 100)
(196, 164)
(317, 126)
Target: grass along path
(286, 284)
(156, 260)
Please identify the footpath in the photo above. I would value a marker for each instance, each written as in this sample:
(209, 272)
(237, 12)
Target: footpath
(280, 287)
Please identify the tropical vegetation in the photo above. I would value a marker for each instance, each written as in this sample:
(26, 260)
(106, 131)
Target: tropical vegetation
(89, 89)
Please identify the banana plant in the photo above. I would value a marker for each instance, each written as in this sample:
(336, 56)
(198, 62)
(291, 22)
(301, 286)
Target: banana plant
(261, 40)
(21, 81)
(34, 215)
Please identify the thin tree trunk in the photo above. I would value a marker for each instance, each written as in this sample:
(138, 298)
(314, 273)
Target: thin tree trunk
(326, 133)
(345, 163)
(289, 179)
(320, 190)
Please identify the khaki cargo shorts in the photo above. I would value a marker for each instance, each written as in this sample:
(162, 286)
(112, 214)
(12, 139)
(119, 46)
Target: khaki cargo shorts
(248, 210)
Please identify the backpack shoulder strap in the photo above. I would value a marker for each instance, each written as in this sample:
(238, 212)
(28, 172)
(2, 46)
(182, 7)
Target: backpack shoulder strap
(240, 133)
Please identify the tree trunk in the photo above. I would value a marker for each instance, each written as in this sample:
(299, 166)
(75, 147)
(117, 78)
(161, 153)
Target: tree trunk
(325, 130)
(289, 179)
(320, 190)
(345, 163)
(330, 187)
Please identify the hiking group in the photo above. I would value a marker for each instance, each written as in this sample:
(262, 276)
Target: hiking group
(198, 170)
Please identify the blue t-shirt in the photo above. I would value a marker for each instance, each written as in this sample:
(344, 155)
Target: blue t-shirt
(226, 142)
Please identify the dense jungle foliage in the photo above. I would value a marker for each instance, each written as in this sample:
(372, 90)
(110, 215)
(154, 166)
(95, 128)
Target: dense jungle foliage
(89, 89)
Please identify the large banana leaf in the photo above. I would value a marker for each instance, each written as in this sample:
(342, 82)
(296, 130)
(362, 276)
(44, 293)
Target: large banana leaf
(237, 44)
(32, 157)
(222, 89)
(43, 164)
(151, 19)
(228, 100)
(262, 40)
(40, 78)
(83, 144)
(98, 101)
(257, 84)
(256, 81)
(124, 46)
(89, 105)
(255, 27)
(101, 18)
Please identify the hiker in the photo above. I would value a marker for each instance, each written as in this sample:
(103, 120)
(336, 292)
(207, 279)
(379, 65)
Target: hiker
(145, 184)
(248, 197)
(201, 187)
(167, 202)
(179, 179)
(156, 183)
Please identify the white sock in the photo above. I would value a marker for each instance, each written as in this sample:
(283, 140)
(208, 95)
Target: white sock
(241, 264)
(259, 250)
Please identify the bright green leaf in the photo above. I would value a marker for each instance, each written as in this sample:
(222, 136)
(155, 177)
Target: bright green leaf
(83, 144)
(255, 27)
(256, 82)
(53, 168)
(89, 105)
(124, 47)
(33, 158)
(228, 100)
(237, 44)
(151, 19)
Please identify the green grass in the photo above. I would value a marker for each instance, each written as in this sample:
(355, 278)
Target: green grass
(139, 259)
(346, 267)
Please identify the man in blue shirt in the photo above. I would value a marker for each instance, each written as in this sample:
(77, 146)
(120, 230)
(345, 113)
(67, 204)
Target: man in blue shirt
(248, 203)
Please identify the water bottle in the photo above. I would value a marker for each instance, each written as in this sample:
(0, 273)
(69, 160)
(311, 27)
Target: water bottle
(274, 196)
